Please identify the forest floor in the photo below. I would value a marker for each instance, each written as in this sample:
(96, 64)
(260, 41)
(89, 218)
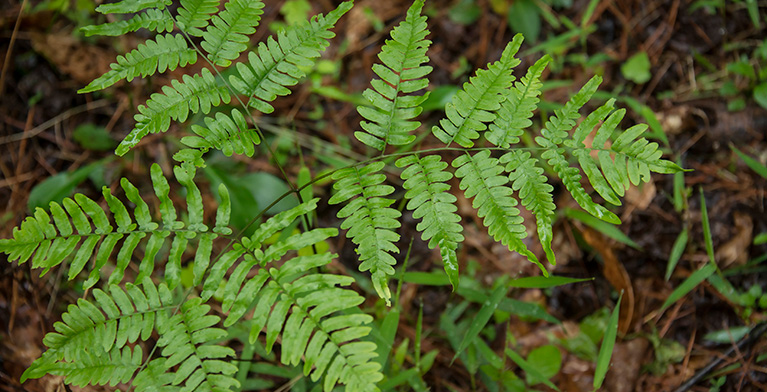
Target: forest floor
(696, 86)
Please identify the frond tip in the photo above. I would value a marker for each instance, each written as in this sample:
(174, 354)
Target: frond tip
(390, 120)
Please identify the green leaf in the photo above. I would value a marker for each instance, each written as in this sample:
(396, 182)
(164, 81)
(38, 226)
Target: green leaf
(94, 137)
(706, 229)
(606, 350)
(524, 17)
(547, 360)
(542, 282)
(605, 228)
(59, 186)
(465, 12)
(690, 283)
(481, 319)
(676, 252)
(727, 336)
(637, 68)
(529, 369)
(760, 94)
(755, 165)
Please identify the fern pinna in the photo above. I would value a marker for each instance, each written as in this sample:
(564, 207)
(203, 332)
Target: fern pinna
(149, 327)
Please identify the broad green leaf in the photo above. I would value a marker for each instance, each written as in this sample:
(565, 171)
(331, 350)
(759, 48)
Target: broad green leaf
(529, 369)
(59, 186)
(637, 68)
(547, 360)
(94, 137)
(524, 17)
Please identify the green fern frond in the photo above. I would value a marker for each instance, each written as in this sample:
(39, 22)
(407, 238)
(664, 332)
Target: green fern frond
(535, 193)
(515, 112)
(402, 72)
(426, 182)
(48, 242)
(153, 20)
(481, 179)
(553, 135)
(370, 220)
(194, 15)
(113, 320)
(198, 93)
(309, 312)
(474, 106)
(97, 367)
(229, 134)
(280, 63)
(228, 34)
(166, 52)
(132, 6)
(188, 341)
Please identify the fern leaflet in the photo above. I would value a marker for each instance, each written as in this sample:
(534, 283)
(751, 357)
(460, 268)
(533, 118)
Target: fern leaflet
(402, 72)
(132, 6)
(370, 220)
(481, 179)
(194, 15)
(515, 112)
(166, 52)
(153, 20)
(198, 93)
(229, 134)
(429, 199)
(535, 193)
(472, 107)
(227, 36)
(278, 64)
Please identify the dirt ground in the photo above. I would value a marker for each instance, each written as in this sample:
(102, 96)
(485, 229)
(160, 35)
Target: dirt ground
(44, 64)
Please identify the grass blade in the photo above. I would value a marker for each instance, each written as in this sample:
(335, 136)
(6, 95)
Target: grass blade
(605, 228)
(676, 252)
(481, 319)
(542, 282)
(690, 283)
(608, 343)
(529, 369)
(751, 162)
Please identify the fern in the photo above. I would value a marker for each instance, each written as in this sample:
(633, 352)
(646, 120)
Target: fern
(153, 19)
(276, 281)
(49, 242)
(167, 52)
(132, 6)
(226, 37)
(198, 93)
(278, 64)
(229, 134)
(481, 179)
(429, 199)
(402, 72)
(475, 105)
(370, 220)
(195, 15)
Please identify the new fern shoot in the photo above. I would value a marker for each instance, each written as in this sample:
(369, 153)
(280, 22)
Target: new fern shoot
(152, 332)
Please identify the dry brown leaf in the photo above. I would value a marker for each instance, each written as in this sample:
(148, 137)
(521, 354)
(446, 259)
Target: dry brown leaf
(83, 63)
(735, 251)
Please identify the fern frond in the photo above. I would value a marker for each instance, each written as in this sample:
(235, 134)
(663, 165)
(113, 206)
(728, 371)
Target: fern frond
(426, 182)
(515, 112)
(402, 72)
(555, 132)
(102, 326)
(535, 193)
(188, 341)
(198, 93)
(132, 6)
(628, 160)
(474, 106)
(166, 52)
(278, 64)
(370, 220)
(48, 242)
(153, 20)
(97, 367)
(194, 15)
(228, 34)
(310, 312)
(481, 179)
(229, 134)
